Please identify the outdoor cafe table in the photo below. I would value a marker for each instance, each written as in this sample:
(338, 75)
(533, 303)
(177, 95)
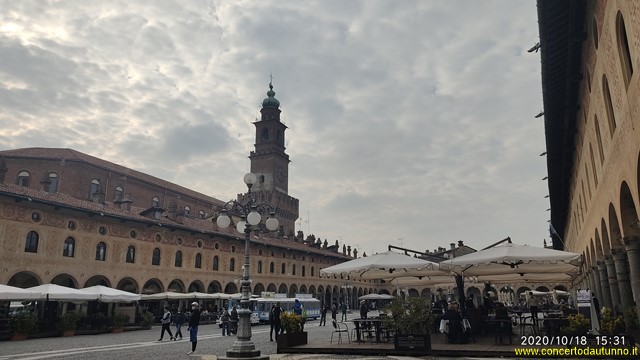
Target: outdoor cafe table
(361, 324)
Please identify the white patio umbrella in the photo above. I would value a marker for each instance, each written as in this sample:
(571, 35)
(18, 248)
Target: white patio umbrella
(53, 292)
(445, 280)
(109, 295)
(11, 293)
(376, 297)
(386, 265)
(523, 278)
(514, 259)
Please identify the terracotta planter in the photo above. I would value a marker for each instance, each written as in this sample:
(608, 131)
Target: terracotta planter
(290, 340)
(69, 332)
(18, 337)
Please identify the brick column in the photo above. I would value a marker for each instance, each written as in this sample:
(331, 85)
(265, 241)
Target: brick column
(632, 246)
(604, 284)
(597, 288)
(622, 273)
(613, 284)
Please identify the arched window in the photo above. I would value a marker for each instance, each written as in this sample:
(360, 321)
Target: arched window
(201, 214)
(303, 271)
(293, 269)
(259, 267)
(312, 270)
(232, 264)
(155, 201)
(69, 248)
(599, 138)
(51, 186)
(95, 187)
(283, 268)
(187, 210)
(198, 261)
(31, 243)
(265, 134)
(271, 268)
(178, 261)
(609, 105)
(131, 254)
(117, 196)
(101, 251)
(23, 178)
(623, 50)
(155, 259)
(215, 263)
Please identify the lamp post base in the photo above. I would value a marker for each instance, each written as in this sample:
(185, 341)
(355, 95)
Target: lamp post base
(235, 355)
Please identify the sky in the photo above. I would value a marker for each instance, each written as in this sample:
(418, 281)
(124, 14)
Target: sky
(410, 123)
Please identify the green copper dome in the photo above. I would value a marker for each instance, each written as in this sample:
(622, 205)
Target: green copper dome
(270, 100)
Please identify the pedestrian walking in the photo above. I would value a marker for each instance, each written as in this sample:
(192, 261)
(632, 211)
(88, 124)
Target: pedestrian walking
(233, 320)
(166, 324)
(181, 317)
(323, 315)
(224, 320)
(272, 323)
(276, 318)
(334, 312)
(343, 308)
(364, 309)
(194, 322)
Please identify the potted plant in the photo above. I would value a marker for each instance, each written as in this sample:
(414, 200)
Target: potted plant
(579, 325)
(119, 321)
(147, 320)
(68, 323)
(22, 325)
(411, 319)
(292, 325)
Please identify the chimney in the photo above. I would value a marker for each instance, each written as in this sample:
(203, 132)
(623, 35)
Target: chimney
(453, 246)
(460, 243)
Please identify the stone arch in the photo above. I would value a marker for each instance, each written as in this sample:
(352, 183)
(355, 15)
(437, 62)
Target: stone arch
(560, 287)
(293, 290)
(97, 280)
(303, 289)
(522, 290)
(312, 291)
(599, 255)
(231, 288)
(385, 291)
(214, 287)
(196, 286)
(413, 292)
(475, 293)
(282, 289)
(426, 293)
(628, 212)
(258, 289)
(128, 284)
(176, 285)
(542, 288)
(65, 280)
(335, 293)
(614, 230)
(272, 288)
(24, 279)
(153, 286)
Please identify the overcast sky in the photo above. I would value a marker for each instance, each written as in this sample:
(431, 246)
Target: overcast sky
(411, 123)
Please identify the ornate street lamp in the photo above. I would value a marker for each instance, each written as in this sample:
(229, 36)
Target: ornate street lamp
(250, 214)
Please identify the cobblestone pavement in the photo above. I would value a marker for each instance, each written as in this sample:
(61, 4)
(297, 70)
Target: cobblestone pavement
(143, 344)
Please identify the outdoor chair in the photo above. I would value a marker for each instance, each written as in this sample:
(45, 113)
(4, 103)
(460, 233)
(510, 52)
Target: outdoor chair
(340, 328)
(527, 322)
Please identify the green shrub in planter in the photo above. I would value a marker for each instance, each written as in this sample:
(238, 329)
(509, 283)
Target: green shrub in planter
(147, 319)
(68, 321)
(25, 323)
(120, 320)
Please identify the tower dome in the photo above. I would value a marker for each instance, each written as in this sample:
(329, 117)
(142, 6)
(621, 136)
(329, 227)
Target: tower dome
(270, 100)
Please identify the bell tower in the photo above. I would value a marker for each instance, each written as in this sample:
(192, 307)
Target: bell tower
(270, 164)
